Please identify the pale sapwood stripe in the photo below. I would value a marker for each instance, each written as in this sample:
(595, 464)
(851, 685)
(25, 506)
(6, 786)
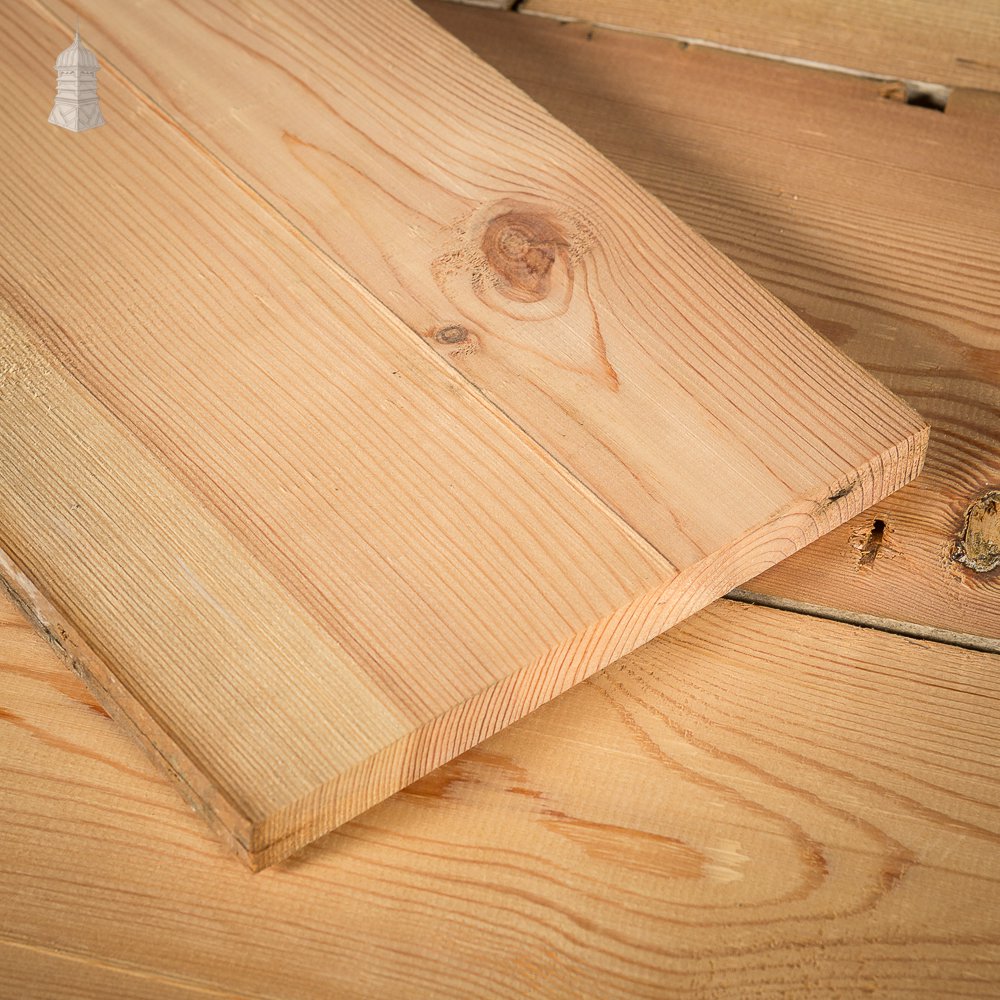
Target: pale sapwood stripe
(211, 621)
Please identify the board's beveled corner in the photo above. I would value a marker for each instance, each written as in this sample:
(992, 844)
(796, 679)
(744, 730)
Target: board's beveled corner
(900, 464)
(920, 442)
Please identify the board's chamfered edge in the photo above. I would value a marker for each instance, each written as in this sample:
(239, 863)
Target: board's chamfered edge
(264, 841)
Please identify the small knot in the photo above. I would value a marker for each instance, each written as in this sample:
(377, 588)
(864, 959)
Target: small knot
(978, 544)
(455, 340)
(451, 335)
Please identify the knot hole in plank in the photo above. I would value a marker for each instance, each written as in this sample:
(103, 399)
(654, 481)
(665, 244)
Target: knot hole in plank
(977, 546)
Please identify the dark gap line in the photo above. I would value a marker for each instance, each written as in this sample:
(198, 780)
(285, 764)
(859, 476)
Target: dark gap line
(909, 630)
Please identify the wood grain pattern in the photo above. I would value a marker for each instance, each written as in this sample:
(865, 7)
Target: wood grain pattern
(30, 973)
(217, 558)
(874, 221)
(571, 299)
(758, 803)
(305, 549)
(952, 43)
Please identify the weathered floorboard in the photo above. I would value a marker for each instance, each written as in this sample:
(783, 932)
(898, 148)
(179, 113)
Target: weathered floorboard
(758, 803)
(952, 42)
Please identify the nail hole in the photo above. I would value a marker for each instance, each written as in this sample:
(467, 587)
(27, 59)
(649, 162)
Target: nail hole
(869, 550)
(918, 95)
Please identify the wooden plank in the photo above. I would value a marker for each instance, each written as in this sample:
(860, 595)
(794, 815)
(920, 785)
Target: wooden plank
(562, 292)
(952, 43)
(308, 551)
(876, 222)
(251, 600)
(757, 803)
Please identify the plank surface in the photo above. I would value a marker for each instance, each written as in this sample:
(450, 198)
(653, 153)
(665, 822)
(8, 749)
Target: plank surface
(756, 804)
(572, 300)
(952, 42)
(316, 509)
(30, 973)
(876, 222)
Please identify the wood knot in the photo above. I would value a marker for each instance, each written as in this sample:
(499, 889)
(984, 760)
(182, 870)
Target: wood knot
(451, 335)
(520, 249)
(532, 263)
(978, 544)
(456, 340)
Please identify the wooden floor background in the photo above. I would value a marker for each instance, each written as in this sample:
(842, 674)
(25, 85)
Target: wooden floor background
(796, 793)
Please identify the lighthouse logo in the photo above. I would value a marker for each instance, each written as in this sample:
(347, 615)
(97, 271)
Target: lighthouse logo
(76, 106)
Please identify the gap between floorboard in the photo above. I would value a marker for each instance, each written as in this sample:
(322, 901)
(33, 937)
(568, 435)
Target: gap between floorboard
(909, 630)
(922, 93)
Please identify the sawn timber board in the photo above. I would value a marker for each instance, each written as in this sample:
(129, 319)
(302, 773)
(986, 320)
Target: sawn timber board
(316, 511)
